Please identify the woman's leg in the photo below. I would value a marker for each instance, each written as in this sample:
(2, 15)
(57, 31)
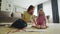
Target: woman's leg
(20, 24)
(18, 30)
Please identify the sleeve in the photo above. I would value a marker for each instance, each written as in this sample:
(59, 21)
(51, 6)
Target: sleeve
(23, 15)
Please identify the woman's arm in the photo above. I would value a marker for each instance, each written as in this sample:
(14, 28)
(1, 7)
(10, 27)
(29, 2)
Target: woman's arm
(23, 16)
(35, 20)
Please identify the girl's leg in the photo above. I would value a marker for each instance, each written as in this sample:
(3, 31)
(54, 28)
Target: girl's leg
(43, 26)
(37, 26)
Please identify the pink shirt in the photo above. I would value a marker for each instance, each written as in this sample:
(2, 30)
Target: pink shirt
(41, 20)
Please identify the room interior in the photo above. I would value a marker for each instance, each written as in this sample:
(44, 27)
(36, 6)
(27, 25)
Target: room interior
(11, 10)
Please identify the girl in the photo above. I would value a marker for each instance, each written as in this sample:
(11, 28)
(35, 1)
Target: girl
(40, 21)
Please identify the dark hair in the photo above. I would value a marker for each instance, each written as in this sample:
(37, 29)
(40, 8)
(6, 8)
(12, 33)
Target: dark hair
(30, 7)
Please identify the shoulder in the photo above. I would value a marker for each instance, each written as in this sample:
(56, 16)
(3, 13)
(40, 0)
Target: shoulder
(25, 11)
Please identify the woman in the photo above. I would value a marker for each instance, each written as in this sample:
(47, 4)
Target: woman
(20, 24)
(28, 15)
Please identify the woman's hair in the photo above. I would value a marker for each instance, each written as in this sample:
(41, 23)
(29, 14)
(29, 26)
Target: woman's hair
(30, 7)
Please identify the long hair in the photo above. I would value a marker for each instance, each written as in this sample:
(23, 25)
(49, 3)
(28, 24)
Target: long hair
(39, 12)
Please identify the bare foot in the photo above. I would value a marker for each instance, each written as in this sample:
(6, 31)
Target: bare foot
(38, 27)
(18, 30)
(44, 27)
(8, 32)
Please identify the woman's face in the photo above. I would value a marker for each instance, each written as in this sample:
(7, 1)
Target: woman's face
(31, 11)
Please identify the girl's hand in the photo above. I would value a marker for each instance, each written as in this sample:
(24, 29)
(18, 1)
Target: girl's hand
(44, 23)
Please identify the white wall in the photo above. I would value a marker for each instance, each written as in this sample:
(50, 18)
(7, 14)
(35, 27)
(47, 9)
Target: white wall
(48, 9)
(5, 6)
(27, 3)
(35, 11)
(18, 11)
(59, 9)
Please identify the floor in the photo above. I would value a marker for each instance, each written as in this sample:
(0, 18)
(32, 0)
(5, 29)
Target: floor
(53, 28)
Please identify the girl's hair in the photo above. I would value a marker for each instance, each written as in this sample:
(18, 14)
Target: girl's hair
(39, 12)
(30, 7)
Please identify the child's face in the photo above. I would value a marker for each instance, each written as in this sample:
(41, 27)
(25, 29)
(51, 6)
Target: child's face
(41, 12)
